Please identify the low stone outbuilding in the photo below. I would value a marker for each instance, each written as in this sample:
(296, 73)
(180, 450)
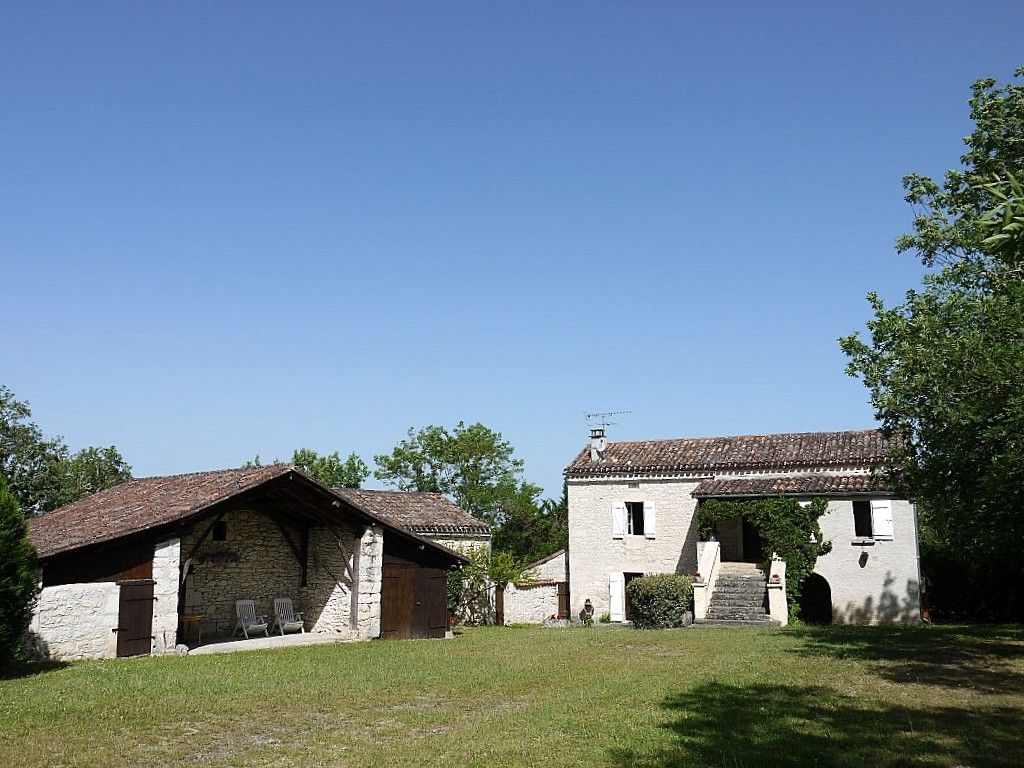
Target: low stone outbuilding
(122, 568)
(544, 596)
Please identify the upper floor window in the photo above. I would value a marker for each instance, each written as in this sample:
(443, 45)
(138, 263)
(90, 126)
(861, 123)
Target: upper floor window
(873, 519)
(862, 520)
(635, 518)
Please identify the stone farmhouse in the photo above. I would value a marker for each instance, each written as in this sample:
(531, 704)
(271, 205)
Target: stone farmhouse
(125, 570)
(632, 511)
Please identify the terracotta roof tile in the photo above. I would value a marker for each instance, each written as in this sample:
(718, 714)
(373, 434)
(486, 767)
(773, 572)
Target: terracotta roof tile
(416, 512)
(139, 505)
(781, 451)
(797, 485)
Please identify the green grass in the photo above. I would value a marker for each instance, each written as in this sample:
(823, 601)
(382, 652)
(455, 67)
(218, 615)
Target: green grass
(943, 696)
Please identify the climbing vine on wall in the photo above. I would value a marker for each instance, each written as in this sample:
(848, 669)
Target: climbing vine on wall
(789, 529)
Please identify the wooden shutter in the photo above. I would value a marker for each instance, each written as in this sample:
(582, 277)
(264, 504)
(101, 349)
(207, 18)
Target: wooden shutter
(618, 519)
(881, 519)
(617, 596)
(649, 520)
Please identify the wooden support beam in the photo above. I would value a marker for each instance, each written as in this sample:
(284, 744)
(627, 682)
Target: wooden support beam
(304, 552)
(287, 537)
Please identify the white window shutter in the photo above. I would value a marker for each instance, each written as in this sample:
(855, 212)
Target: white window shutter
(650, 519)
(617, 596)
(881, 519)
(618, 519)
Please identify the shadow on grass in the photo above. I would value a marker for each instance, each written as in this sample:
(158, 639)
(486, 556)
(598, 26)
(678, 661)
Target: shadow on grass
(986, 659)
(30, 669)
(788, 726)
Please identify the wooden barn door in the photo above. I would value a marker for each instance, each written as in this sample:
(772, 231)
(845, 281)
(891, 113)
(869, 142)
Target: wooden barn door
(414, 602)
(431, 613)
(397, 598)
(135, 618)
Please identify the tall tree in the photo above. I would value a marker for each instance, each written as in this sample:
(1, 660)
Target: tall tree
(18, 582)
(472, 464)
(944, 367)
(532, 529)
(41, 472)
(330, 469)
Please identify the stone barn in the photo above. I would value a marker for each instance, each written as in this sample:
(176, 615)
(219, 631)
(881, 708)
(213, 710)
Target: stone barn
(143, 566)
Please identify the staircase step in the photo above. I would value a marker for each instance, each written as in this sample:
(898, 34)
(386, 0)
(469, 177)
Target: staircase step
(735, 623)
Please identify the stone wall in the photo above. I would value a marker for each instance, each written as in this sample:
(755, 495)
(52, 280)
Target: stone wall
(877, 583)
(465, 543)
(256, 563)
(552, 568)
(526, 604)
(76, 621)
(593, 553)
(166, 573)
(533, 603)
(371, 572)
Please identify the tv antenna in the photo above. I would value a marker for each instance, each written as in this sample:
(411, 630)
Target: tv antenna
(601, 419)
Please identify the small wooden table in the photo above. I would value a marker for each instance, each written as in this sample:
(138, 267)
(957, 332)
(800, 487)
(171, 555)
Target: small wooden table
(192, 623)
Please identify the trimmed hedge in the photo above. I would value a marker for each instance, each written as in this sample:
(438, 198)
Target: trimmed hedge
(659, 601)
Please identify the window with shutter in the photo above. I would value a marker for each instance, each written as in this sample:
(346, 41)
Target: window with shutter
(618, 519)
(649, 520)
(635, 518)
(881, 519)
(862, 528)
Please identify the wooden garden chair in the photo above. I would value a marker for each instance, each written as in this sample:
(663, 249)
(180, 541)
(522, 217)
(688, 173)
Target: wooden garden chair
(286, 618)
(248, 620)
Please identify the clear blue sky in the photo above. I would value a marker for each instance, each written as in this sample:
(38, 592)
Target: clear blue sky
(230, 229)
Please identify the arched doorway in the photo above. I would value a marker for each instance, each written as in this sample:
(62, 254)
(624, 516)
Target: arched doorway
(816, 600)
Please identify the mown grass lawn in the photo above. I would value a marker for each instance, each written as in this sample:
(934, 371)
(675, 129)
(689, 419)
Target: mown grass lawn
(941, 696)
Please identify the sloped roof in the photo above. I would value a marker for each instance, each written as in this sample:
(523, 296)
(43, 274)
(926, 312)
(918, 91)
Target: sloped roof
(780, 451)
(796, 485)
(148, 503)
(139, 505)
(416, 512)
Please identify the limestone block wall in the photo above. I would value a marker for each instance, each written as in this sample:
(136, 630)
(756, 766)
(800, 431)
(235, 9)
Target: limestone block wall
(527, 604)
(76, 621)
(326, 602)
(255, 562)
(465, 543)
(555, 568)
(371, 572)
(593, 553)
(877, 583)
(166, 574)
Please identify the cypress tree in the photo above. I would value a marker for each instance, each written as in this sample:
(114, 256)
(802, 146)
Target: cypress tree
(18, 577)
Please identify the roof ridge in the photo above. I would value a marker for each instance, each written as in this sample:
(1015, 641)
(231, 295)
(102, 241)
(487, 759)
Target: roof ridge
(276, 465)
(738, 437)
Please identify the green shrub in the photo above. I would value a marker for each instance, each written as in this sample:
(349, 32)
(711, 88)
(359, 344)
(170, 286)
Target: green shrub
(606, 618)
(659, 601)
(18, 585)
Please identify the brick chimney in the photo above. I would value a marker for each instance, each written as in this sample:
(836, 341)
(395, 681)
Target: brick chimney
(598, 444)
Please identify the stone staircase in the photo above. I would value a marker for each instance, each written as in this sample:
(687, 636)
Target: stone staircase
(740, 597)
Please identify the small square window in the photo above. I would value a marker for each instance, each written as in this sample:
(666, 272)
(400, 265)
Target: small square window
(635, 518)
(862, 520)
(633, 485)
(220, 530)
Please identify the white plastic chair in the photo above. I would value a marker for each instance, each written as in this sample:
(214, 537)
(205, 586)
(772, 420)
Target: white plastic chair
(286, 618)
(248, 620)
